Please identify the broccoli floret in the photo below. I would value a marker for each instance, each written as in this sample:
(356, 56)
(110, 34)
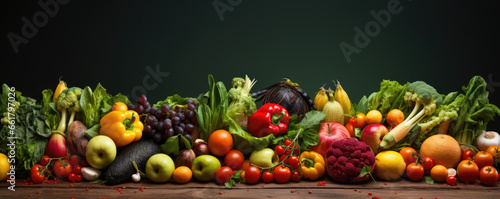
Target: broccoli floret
(421, 94)
(68, 100)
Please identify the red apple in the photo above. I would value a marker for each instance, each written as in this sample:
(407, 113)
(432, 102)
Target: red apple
(373, 134)
(329, 132)
(56, 147)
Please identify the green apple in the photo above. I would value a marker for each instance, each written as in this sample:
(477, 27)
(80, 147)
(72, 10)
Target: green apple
(264, 158)
(204, 167)
(101, 151)
(160, 168)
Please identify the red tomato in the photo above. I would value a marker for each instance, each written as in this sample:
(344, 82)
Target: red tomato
(36, 173)
(467, 171)
(282, 174)
(267, 177)
(467, 154)
(427, 163)
(296, 176)
(74, 160)
(72, 177)
(279, 150)
(294, 162)
(62, 168)
(488, 176)
(409, 155)
(252, 175)
(77, 169)
(284, 159)
(494, 151)
(44, 160)
(451, 180)
(358, 121)
(288, 143)
(415, 171)
(223, 174)
(483, 159)
(79, 178)
(234, 159)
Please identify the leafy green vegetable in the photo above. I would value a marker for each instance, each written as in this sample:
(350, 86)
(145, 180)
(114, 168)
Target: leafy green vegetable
(172, 101)
(390, 96)
(30, 134)
(242, 105)
(95, 104)
(50, 111)
(246, 141)
(212, 108)
(475, 112)
(308, 127)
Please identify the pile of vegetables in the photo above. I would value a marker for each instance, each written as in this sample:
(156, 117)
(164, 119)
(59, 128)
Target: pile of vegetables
(307, 142)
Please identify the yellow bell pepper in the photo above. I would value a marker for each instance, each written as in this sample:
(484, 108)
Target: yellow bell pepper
(123, 127)
(312, 165)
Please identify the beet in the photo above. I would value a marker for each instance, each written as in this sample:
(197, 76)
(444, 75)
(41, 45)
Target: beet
(345, 159)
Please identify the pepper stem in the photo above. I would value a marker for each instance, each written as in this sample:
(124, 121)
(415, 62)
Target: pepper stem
(276, 119)
(308, 162)
(129, 123)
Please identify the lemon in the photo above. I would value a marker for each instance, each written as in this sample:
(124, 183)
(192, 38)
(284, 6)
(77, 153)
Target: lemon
(4, 166)
(389, 165)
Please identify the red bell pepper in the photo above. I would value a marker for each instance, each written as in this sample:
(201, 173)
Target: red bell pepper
(269, 119)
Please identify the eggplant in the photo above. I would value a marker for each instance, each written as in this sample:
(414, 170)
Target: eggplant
(122, 168)
(288, 95)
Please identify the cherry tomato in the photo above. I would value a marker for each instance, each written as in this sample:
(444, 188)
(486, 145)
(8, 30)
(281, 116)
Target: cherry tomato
(284, 159)
(282, 174)
(297, 150)
(409, 155)
(223, 174)
(451, 180)
(415, 171)
(358, 120)
(427, 163)
(279, 150)
(234, 159)
(77, 169)
(267, 177)
(296, 176)
(74, 160)
(483, 159)
(252, 175)
(62, 168)
(44, 160)
(288, 143)
(72, 177)
(494, 151)
(467, 171)
(488, 175)
(36, 173)
(467, 155)
(78, 178)
(294, 162)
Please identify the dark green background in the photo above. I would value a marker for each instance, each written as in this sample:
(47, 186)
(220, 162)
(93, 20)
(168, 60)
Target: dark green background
(443, 43)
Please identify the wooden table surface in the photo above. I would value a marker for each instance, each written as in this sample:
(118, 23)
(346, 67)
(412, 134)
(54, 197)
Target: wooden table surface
(302, 189)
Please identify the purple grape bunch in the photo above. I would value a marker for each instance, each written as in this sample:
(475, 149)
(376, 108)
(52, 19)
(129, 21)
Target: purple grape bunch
(160, 124)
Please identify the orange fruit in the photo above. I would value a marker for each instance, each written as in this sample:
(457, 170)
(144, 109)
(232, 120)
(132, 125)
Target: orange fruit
(182, 174)
(374, 117)
(220, 142)
(439, 173)
(442, 149)
(395, 117)
(119, 106)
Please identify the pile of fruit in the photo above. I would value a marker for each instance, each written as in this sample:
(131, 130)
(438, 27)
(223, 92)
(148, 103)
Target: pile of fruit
(402, 131)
